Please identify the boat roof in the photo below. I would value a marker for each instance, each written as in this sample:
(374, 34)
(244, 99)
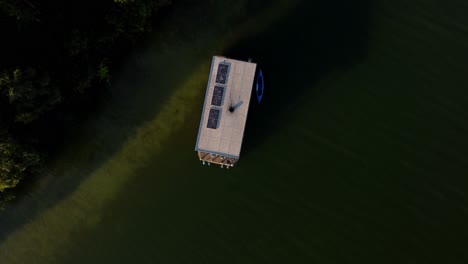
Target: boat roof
(229, 86)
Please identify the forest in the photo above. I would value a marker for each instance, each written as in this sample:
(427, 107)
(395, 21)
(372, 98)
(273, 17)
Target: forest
(56, 58)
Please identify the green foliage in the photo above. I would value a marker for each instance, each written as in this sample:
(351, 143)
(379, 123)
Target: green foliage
(5, 197)
(103, 72)
(28, 93)
(24, 11)
(15, 162)
(78, 43)
(130, 17)
(56, 52)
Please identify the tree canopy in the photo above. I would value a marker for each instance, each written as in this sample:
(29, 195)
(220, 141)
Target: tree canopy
(52, 53)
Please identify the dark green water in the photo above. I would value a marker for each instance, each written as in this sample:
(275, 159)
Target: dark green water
(358, 153)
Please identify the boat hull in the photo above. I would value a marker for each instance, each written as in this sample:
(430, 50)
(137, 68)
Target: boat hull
(260, 86)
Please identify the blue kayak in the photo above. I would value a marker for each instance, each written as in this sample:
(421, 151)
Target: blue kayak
(260, 84)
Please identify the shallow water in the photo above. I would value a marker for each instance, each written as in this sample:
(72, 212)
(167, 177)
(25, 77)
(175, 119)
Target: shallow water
(357, 153)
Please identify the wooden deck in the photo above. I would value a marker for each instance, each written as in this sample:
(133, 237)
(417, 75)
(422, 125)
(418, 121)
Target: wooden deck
(217, 159)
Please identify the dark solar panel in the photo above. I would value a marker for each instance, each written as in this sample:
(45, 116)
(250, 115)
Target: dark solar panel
(218, 90)
(221, 75)
(223, 68)
(221, 78)
(213, 118)
(217, 98)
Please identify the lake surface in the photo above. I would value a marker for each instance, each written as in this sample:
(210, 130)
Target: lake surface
(357, 154)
